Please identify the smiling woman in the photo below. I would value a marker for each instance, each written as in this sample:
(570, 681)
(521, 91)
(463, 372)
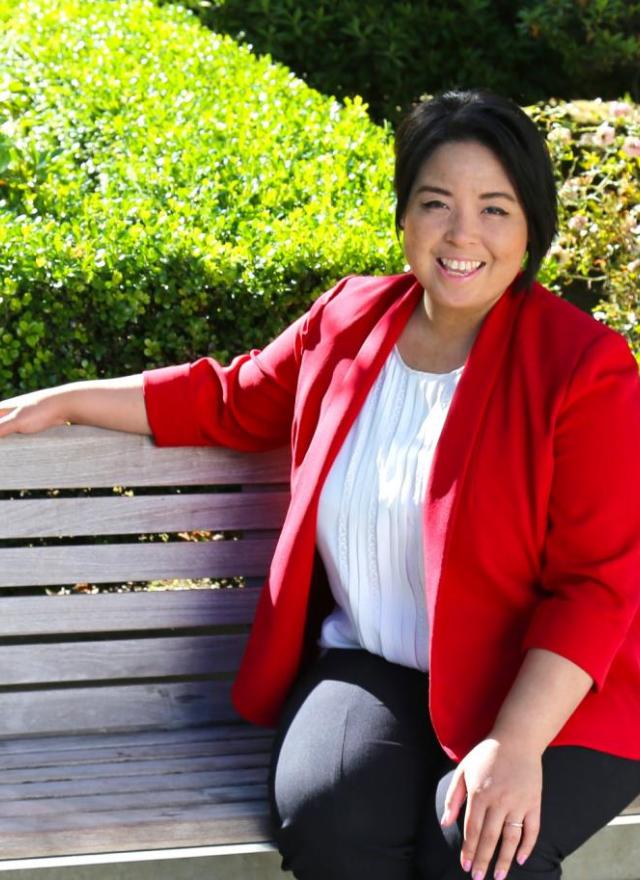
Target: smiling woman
(465, 237)
(449, 637)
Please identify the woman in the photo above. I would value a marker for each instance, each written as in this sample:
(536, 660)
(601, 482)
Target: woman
(463, 530)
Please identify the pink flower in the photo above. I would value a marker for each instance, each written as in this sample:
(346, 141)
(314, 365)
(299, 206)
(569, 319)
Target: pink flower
(631, 146)
(578, 221)
(619, 108)
(560, 135)
(604, 135)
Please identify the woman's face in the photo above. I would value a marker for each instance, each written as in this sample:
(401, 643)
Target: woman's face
(465, 231)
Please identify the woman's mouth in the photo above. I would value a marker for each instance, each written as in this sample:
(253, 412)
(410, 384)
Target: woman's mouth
(460, 268)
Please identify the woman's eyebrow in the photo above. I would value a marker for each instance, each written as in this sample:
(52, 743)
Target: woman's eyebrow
(427, 187)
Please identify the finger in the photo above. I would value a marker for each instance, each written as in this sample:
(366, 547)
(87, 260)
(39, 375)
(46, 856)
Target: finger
(455, 797)
(7, 423)
(511, 838)
(473, 824)
(529, 836)
(487, 842)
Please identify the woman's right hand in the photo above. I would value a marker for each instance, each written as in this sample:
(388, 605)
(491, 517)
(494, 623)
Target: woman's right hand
(31, 413)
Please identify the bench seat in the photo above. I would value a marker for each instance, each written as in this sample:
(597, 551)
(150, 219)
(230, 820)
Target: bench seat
(133, 791)
(129, 577)
(118, 741)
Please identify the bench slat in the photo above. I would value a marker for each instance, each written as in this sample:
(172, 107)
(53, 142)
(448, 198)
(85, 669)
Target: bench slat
(126, 816)
(115, 563)
(79, 457)
(103, 802)
(142, 514)
(37, 750)
(240, 739)
(134, 830)
(26, 616)
(130, 707)
(161, 782)
(251, 754)
(137, 659)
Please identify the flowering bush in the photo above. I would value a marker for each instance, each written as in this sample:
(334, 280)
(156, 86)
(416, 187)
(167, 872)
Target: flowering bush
(595, 260)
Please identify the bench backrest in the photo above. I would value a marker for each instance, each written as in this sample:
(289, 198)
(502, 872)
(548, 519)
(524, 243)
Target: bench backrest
(72, 659)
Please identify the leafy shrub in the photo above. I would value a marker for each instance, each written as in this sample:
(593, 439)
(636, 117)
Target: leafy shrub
(164, 194)
(392, 52)
(594, 47)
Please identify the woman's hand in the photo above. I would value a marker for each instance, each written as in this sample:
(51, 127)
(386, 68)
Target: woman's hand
(30, 413)
(502, 783)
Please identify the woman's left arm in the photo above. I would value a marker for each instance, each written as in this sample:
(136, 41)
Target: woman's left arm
(501, 778)
(589, 598)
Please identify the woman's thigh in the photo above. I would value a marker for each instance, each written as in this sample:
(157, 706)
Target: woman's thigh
(583, 790)
(355, 764)
(358, 781)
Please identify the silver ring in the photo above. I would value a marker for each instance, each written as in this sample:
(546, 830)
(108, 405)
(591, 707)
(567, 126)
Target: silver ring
(515, 824)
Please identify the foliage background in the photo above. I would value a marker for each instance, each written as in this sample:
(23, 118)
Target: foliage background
(164, 194)
(392, 51)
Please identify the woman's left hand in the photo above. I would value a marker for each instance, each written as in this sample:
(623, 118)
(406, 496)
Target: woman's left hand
(502, 783)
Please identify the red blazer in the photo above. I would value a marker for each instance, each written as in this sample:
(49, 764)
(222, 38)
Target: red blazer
(532, 514)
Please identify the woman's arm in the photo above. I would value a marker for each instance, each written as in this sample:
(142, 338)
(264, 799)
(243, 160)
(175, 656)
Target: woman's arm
(501, 778)
(105, 403)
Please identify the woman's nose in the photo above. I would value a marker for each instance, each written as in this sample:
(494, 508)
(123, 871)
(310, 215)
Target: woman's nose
(462, 228)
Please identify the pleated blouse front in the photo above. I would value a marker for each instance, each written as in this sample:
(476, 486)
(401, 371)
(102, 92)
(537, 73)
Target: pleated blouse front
(369, 531)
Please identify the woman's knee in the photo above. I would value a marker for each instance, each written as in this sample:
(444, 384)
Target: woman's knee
(348, 783)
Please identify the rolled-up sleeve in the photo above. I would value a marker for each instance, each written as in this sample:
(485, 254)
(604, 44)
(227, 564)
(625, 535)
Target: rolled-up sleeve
(247, 405)
(591, 567)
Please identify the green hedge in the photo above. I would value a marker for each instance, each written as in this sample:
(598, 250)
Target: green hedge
(392, 51)
(164, 194)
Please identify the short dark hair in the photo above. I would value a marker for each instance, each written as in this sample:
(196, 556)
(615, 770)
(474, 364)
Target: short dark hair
(503, 127)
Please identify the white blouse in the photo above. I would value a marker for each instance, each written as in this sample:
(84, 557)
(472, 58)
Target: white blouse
(369, 531)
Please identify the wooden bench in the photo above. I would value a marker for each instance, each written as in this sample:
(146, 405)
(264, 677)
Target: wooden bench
(116, 729)
(117, 738)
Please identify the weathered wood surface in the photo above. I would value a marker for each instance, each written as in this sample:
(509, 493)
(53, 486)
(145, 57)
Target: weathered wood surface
(39, 751)
(106, 701)
(133, 830)
(172, 788)
(139, 659)
(78, 457)
(141, 514)
(28, 616)
(119, 563)
(163, 705)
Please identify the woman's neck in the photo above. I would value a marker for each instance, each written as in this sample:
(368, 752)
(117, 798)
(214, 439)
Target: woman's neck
(437, 340)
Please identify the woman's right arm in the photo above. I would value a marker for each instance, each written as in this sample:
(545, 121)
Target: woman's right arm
(106, 403)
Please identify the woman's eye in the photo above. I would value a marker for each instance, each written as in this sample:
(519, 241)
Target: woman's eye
(496, 211)
(433, 203)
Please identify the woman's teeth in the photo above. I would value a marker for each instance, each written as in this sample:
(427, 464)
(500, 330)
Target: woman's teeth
(460, 267)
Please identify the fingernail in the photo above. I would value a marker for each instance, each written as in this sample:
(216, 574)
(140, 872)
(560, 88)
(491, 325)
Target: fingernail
(521, 859)
(500, 875)
(477, 875)
(466, 865)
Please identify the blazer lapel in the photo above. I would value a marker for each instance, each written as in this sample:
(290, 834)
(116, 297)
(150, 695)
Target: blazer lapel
(352, 381)
(485, 362)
